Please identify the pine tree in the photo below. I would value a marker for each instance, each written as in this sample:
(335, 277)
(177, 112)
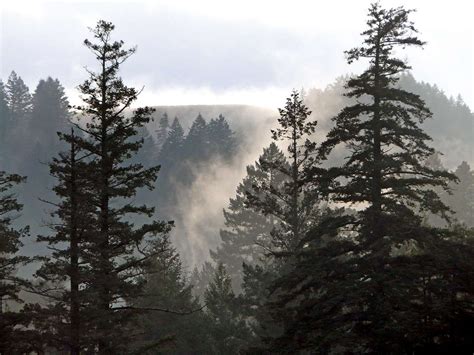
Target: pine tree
(19, 99)
(295, 204)
(443, 297)
(171, 149)
(246, 237)
(4, 120)
(308, 300)
(257, 281)
(462, 199)
(434, 162)
(222, 141)
(170, 158)
(368, 128)
(11, 322)
(228, 330)
(118, 250)
(201, 277)
(196, 144)
(167, 288)
(19, 105)
(147, 154)
(367, 301)
(162, 131)
(50, 112)
(64, 274)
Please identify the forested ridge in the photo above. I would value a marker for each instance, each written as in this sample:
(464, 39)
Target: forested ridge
(350, 230)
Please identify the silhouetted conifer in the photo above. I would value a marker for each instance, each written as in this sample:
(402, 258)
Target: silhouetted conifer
(246, 236)
(167, 288)
(65, 274)
(11, 323)
(228, 330)
(119, 250)
(369, 261)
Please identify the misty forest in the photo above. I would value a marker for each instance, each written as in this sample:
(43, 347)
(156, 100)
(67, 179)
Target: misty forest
(351, 230)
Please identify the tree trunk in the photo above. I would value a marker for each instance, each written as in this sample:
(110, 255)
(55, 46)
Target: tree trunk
(74, 274)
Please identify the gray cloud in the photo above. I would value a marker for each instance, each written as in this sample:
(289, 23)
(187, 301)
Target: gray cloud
(180, 47)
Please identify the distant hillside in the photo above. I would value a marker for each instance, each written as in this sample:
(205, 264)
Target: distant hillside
(451, 127)
(197, 205)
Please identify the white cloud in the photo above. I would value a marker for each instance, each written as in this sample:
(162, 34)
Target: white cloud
(267, 97)
(236, 51)
(23, 9)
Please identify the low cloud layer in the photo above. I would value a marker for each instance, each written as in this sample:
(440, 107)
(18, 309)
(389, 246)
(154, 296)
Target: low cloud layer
(187, 50)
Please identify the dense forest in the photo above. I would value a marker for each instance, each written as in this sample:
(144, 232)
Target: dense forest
(341, 223)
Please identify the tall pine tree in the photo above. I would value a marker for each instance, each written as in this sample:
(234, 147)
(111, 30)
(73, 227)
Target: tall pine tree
(362, 294)
(119, 250)
(296, 203)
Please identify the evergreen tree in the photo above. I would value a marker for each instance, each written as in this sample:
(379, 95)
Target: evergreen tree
(369, 261)
(291, 201)
(50, 112)
(228, 330)
(11, 322)
(246, 237)
(462, 199)
(368, 128)
(196, 144)
(201, 278)
(147, 154)
(118, 251)
(257, 281)
(4, 120)
(171, 149)
(162, 131)
(434, 162)
(296, 203)
(221, 138)
(443, 297)
(64, 274)
(19, 105)
(181, 329)
(19, 99)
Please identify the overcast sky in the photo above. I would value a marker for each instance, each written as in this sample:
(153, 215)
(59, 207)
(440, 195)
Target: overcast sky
(219, 52)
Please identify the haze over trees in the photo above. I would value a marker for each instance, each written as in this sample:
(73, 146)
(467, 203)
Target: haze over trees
(346, 235)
